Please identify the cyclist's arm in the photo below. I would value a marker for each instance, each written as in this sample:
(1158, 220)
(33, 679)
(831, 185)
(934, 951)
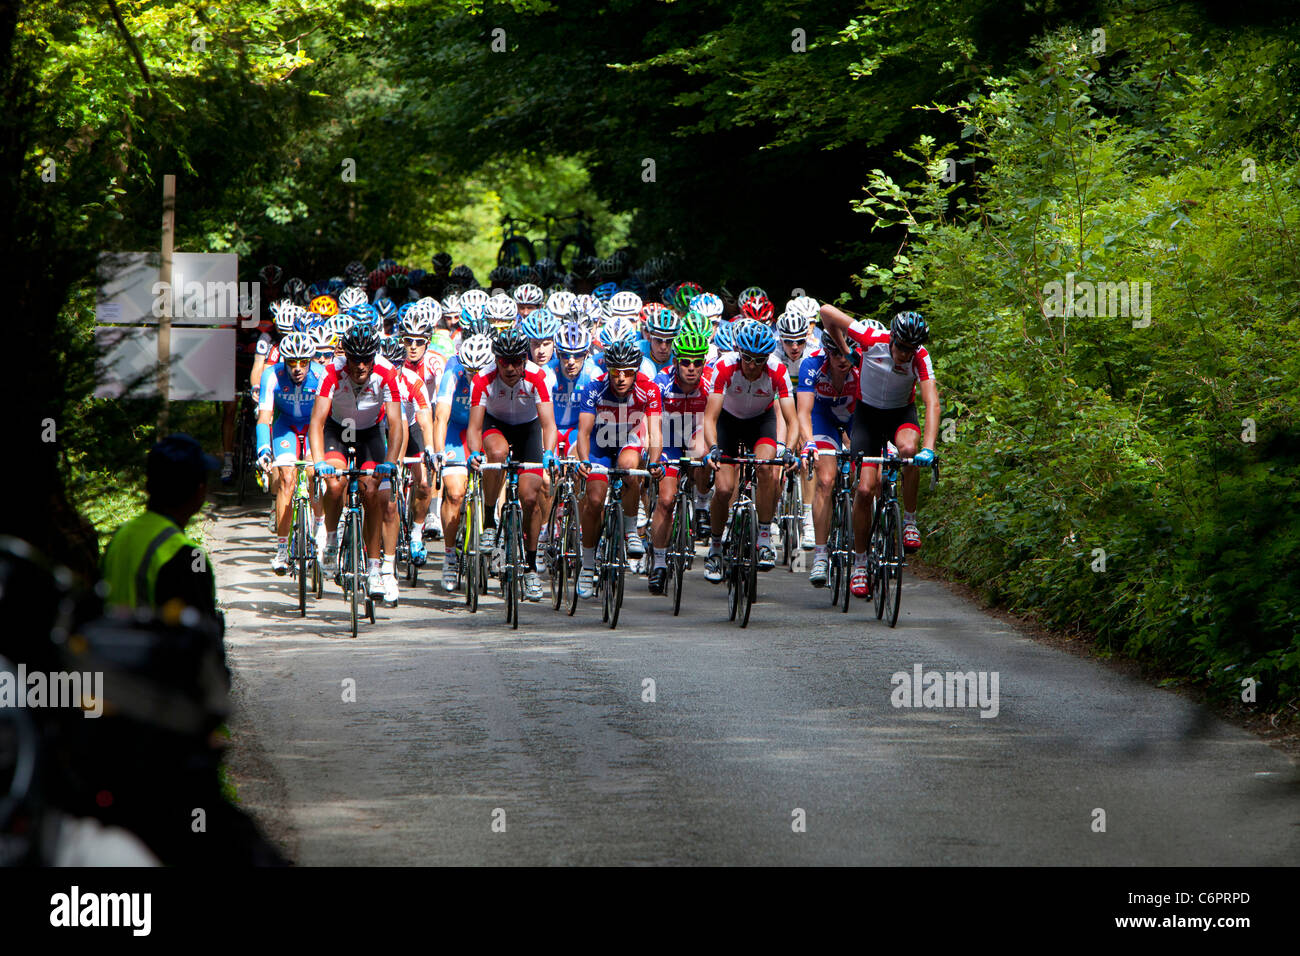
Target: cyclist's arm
(259, 365)
(424, 417)
(711, 410)
(791, 421)
(836, 322)
(654, 439)
(803, 407)
(265, 395)
(930, 395)
(546, 415)
(441, 417)
(586, 421)
(474, 431)
(316, 430)
(396, 430)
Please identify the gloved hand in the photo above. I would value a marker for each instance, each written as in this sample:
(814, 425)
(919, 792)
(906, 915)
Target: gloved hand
(924, 458)
(810, 451)
(656, 469)
(475, 460)
(548, 459)
(264, 456)
(324, 469)
(385, 469)
(714, 454)
(788, 459)
(430, 459)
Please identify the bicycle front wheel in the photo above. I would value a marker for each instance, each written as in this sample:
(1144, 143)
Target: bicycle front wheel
(616, 570)
(469, 566)
(506, 531)
(299, 556)
(680, 543)
(557, 532)
(748, 545)
(894, 565)
(878, 559)
(354, 558)
(572, 556)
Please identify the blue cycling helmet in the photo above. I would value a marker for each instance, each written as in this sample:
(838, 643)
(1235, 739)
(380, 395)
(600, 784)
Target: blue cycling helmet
(315, 289)
(335, 286)
(756, 339)
(302, 321)
(573, 339)
(472, 320)
(605, 291)
(385, 308)
(725, 337)
(541, 324)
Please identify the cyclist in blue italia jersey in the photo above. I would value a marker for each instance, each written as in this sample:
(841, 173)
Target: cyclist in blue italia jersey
(450, 421)
(659, 325)
(286, 396)
(574, 371)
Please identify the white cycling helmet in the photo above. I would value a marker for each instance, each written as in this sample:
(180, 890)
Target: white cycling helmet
(528, 294)
(297, 345)
(475, 351)
(561, 303)
(352, 296)
(805, 306)
(500, 308)
(451, 305)
(416, 325)
(284, 312)
(474, 297)
(617, 329)
(708, 305)
(625, 304)
(322, 338)
(793, 326)
(427, 307)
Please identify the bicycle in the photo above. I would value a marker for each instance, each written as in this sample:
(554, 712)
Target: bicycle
(302, 543)
(511, 530)
(515, 246)
(611, 548)
(402, 495)
(352, 576)
(740, 538)
(564, 537)
(680, 553)
(789, 516)
(839, 540)
(885, 555)
(580, 242)
(472, 566)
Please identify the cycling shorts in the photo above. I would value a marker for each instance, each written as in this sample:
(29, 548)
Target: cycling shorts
(289, 441)
(454, 456)
(827, 431)
(750, 432)
(873, 427)
(525, 440)
(369, 443)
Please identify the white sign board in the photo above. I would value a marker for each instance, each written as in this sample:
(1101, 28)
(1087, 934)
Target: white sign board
(204, 289)
(202, 363)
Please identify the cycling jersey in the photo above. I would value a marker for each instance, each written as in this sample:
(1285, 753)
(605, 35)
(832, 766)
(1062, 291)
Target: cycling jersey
(882, 383)
(364, 404)
(658, 366)
(293, 402)
(412, 390)
(620, 422)
(683, 412)
(515, 405)
(429, 370)
(838, 404)
(454, 390)
(567, 391)
(743, 398)
(793, 366)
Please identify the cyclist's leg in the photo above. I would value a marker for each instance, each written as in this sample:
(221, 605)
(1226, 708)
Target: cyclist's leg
(593, 505)
(335, 453)
(724, 479)
(865, 439)
(284, 450)
(907, 439)
(630, 457)
(454, 480)
(495, 449)
(825, 485)
(768, 479)
(662, 519)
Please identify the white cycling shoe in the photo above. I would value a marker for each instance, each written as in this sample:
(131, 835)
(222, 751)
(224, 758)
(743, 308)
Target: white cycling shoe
(390, 589)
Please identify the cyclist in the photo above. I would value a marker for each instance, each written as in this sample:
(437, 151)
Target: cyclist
(684, 391)
(825, 399)
(659, 325)
(747, 386)
(574, 370)
(286, 396)
(540, 328)
(527, 298)
(792, 331)
(362, 397)
(450, 422)
(426, 366)
(618, 424)
(892, 365)
(511, 413)
(501, 311)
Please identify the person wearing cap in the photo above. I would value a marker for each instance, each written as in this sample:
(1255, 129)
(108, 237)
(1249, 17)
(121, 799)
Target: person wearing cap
(151, 562)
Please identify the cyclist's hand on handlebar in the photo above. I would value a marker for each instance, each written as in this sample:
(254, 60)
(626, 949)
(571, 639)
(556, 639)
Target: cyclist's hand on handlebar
(431, 460)
(584, 469)
(476, 460)
(324, 469)
(656, 470)
(712, 457)
(385, 469)
(548, 460)
(264, 457)
(924, 457)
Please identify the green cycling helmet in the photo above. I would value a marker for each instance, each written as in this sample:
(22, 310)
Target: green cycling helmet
(699, 322)
(690, 343)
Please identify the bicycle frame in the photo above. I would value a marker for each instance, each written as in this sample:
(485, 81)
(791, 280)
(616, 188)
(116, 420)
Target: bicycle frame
(512, 525)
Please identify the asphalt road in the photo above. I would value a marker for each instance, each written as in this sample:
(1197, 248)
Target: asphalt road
(778, 744)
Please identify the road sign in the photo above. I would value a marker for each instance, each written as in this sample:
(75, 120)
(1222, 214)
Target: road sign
(204, 288)
(202, 363)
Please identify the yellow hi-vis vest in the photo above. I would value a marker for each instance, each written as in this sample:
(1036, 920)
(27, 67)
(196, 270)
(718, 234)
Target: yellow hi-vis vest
(137, 553)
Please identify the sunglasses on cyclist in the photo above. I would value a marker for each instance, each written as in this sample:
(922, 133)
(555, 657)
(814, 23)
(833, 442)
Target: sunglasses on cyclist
(415, 343)
(502, 360)
(753, 359)
(297, 363)
(691, 363)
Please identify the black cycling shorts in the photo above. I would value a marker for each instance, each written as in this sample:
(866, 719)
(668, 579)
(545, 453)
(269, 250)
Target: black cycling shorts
(750, 432)
(872, 427)
(369, 443)
(525, 440)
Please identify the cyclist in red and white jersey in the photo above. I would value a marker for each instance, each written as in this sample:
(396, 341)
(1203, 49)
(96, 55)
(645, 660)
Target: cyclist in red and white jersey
(424, 365)
(748, 384)
(511, 414)
(353, 408)
(893, 363)
(417, 442)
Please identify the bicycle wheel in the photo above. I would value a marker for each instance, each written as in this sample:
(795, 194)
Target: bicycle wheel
(894, 566)
(573, 554)
(557, 532)
(354, 559)
(241, 429)
(317, 577)
(299, 556)
(731, 566)
(680, 543)
(514, 251)
(469, 566)
(877, 558)
(832, 554)
(616, 569)
(748, 545)
(571, 246)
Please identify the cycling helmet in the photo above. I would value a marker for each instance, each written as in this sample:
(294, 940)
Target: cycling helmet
(338, 326)
(541, 324)
(322, 338)
(361, 342)
(634, 285)
(501, 276)
(510, 343)
(573, 339)
(296, 290)
(725, 337)
(805, 305)
(416, 325)
(792, 326)
(393, 349)
(501, 308)
(707, 305)
(403, 309)
(691, 290)
(287, 318)
(545, 270)
(474, 297)
(463, 274)
(355, 273)
(398, 282)
(415, 277)
(661, 321)
(624, 304)
(605, 291)
(297, 345)
(385, 308)
(475, 352)
(756, 339)
(616, 330)
(302, 321)
(583, 267)
(623, 354)
(451, 307)
(700, 323)
(561, 303)
(271, 275)
(759, 308)
(351, 296)
(427, 307)
(441, 260)
(690, 343)
(909, 330)
(528, 294)
(748, 293)
(586, 306)
(607, 268)
(472, 319)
